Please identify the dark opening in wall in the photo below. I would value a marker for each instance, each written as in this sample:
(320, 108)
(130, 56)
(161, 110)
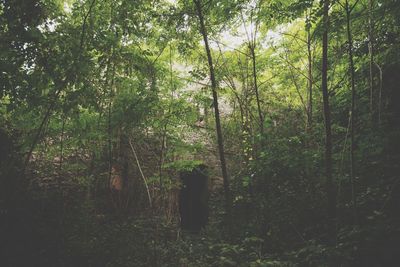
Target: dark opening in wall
(193, 199)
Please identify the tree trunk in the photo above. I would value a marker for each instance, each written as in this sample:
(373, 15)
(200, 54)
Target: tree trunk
(214, 87)
(310, 78)
(253, 60)
(371, 58)
(39, 132)
(352, 112)
(330, 189)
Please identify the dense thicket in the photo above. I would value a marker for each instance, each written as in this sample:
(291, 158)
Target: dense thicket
(293, 106)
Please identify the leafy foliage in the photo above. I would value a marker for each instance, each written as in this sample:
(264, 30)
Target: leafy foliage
(98, 93)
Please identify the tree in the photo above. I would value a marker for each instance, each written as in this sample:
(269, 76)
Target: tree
(330, 186)
(348, 10)
(371, 56)
(252, 42)
(310, 74)
(214, 88)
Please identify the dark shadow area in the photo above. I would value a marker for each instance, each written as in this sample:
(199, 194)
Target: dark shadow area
(193, 199)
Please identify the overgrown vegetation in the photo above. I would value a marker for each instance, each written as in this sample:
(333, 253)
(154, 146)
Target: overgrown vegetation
(292, 105)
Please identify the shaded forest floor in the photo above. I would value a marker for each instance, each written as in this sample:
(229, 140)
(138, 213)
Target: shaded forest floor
(39, 233)
(42, 231)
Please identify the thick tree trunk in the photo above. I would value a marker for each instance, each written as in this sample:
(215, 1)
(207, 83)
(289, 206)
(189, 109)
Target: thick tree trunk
(214, 87)
(330, 187)
(352, 112)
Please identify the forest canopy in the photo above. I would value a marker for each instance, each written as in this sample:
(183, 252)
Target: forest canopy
(199, 132)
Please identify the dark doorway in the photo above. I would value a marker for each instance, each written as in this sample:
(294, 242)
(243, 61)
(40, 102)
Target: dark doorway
(193, 199)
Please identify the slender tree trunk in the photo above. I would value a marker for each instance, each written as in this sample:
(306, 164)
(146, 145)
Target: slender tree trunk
(109, 133)
(330, 187)
(39, 132)
(109, 129)
(371, 57)
(84, 23)
(310, 78)
(141, 172)
(253, 61)
(353, 111)
(62, 143)
(380, 94)
(58, 91)
(161, 159)
(214, 87)
(308, 160)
